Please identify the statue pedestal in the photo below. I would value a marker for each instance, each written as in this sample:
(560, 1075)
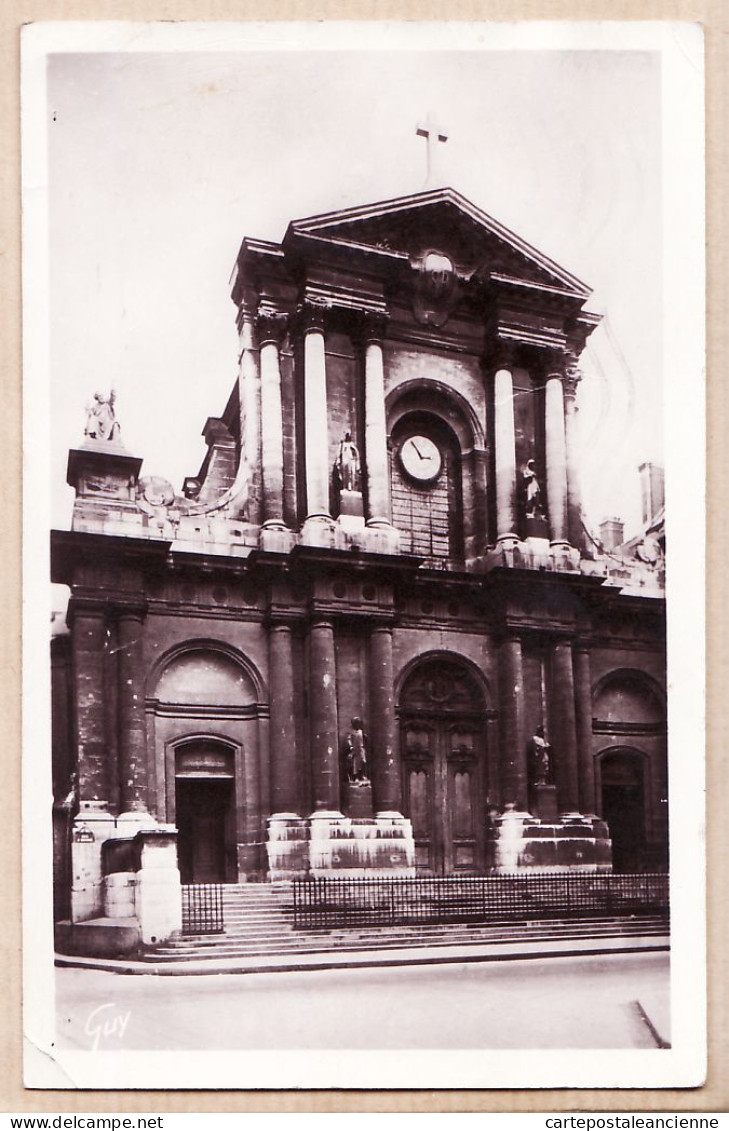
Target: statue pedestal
(536, 527)
(357, 798)
(545, 802)
(351, 511)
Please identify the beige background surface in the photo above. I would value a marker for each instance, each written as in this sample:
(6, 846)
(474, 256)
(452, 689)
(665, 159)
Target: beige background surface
(714, 15)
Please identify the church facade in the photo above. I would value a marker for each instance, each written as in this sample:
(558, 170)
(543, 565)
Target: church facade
(371, 635)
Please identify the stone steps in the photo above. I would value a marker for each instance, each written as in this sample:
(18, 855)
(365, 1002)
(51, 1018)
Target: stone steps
(287, 940)
(258, 920)
(221, 952)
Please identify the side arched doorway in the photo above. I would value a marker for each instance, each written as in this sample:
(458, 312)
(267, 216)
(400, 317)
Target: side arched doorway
(443, 755)
(205, 807)
(622, 789)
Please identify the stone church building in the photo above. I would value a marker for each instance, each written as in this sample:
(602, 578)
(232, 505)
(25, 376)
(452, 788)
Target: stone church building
(371, 635)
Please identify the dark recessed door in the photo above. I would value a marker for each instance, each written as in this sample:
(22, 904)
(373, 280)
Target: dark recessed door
(623, 807)
(203, 809)
(442, 752)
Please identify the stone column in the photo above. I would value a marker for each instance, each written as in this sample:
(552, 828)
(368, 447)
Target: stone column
(583, 720)
(315, 413)
(376, 458)
(323, 717)
(132, 723)
(284, 784)
(513, 740)
(563, 730)
(574, 492)
(249, 405)
(271, 329)
(88, 643)
(384, 770)
(556, 452)
(505, 449)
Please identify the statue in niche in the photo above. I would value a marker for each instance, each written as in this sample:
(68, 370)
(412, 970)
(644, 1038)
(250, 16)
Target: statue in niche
(532, 491)
(541, 758)
(101, 421)
(348, 464)
(356, 753)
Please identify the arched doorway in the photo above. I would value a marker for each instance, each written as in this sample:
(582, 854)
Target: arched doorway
(442, 746)
(203, 708)
(205, 809)
(623, 807)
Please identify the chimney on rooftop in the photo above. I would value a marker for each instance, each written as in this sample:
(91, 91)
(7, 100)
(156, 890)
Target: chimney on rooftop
(611, 533)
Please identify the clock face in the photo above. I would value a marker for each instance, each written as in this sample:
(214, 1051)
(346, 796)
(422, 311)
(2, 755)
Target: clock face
(421, 458)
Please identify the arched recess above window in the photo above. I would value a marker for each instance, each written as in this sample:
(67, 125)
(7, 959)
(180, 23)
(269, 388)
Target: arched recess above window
(205, 674)
(628, 699)
(428, 395)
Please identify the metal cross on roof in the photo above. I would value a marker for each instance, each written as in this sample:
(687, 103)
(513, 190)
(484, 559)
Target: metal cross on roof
(433, 133)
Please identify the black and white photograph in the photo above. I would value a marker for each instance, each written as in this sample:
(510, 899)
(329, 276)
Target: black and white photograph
(363, 401)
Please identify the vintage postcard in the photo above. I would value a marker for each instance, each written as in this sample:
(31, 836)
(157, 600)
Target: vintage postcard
(364, 424)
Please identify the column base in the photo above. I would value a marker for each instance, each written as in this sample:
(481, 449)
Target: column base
(351, 847)
(276, 538)
(318, 530)
(381, 537)
(574, 842)
(287, 846)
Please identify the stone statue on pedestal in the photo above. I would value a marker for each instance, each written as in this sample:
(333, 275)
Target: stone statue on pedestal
(356, 752)
(532, 491)
(101, 422)
(541, 758)
(348, 464)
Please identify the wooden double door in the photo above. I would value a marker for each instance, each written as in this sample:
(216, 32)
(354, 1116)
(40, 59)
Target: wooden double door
(444, 768)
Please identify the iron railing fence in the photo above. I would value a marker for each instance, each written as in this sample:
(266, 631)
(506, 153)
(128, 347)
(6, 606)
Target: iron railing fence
(324, 903)
(202, 909)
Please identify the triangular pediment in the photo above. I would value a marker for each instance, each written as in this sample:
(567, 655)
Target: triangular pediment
(440, 220)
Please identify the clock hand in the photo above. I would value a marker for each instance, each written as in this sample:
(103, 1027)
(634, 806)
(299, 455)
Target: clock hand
(417, 449)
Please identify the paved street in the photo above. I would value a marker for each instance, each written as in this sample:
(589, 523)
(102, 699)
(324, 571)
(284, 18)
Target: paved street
(555, 1003)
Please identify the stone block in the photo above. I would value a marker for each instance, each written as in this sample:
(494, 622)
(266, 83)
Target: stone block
(158, 903)
(119, 889)
(91, 827)
(103, 937)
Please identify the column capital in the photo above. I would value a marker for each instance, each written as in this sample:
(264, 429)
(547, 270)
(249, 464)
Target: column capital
(85, 607)
(572, 377)
(321, 620)
(500, 355)
(383, 624)
(311, 316)
(281, 621)
(554, 364)
(372, 326)
(134, 609)
(271, 325)
(247, 308)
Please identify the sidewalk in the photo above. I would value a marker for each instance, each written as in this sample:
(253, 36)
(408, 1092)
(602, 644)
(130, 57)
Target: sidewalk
(354, 959)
